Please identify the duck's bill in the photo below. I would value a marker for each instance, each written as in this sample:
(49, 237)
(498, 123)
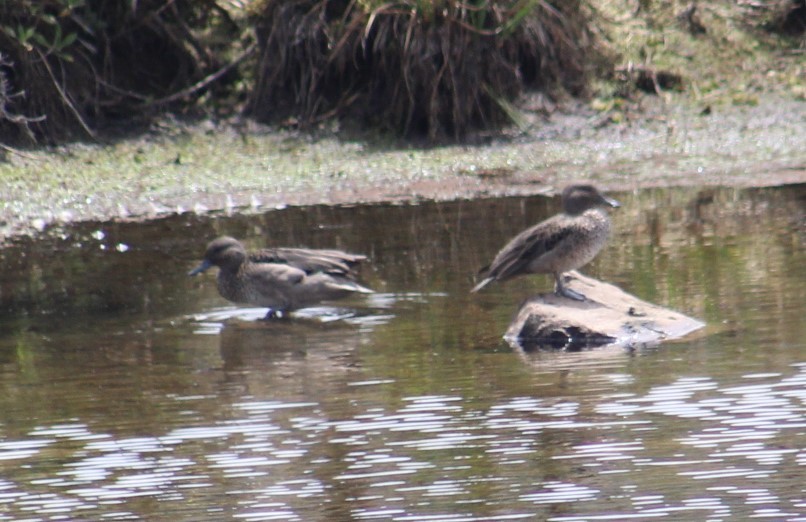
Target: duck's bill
(201, 268)
(612, 202)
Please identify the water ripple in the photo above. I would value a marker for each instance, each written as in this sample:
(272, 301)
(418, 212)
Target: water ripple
(280, 459)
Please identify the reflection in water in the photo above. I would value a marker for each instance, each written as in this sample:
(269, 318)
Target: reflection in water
(143, 397)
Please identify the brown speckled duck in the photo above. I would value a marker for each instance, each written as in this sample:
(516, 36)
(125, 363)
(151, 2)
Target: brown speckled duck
(562, 243)
(282, 279)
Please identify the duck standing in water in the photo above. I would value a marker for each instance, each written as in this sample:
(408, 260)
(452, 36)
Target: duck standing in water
(282, 279)
(562, 243)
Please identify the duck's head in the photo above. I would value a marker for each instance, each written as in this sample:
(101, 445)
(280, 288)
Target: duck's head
(224, 252)
(579, 198)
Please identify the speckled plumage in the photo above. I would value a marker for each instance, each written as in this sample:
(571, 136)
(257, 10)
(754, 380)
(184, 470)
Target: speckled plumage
(281, 279)
(559, 244)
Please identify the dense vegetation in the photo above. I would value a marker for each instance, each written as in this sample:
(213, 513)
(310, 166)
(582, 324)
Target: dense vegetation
(67, 66)
(433, 68)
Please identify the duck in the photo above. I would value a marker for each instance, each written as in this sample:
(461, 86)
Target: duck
(281, 279)
(564, 242)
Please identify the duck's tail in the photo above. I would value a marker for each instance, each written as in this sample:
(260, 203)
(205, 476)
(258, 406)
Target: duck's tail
(352, 286)
(363, 289)
(481, 285)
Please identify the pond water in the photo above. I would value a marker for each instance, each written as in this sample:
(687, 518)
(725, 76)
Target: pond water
(132, 392)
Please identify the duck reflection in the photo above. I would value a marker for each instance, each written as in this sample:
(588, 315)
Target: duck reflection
(303, 347)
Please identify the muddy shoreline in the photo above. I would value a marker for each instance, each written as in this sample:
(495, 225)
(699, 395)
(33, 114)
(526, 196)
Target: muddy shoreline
(235, 168)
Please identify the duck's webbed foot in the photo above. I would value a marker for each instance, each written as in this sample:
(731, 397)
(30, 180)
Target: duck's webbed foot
(274, 314)
(562, 290)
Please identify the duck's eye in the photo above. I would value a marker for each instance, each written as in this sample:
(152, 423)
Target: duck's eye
(218, 250)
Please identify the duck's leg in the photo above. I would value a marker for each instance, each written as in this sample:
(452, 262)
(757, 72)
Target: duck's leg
(562, 290)
(274, 314)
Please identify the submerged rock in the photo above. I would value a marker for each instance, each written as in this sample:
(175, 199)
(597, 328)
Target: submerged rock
(608, 316)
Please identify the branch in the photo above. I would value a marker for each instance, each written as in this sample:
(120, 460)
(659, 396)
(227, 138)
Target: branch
(201, 84)
(64, 96)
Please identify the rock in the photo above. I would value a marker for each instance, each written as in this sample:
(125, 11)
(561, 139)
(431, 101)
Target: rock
(609, 316)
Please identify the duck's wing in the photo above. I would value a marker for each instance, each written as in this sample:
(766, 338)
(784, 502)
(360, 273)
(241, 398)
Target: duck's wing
(523, 249)
(274, 278)
(334, 262)
(287, 287)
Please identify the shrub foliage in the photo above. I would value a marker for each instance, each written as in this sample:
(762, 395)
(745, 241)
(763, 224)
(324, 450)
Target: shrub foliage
(68, 65)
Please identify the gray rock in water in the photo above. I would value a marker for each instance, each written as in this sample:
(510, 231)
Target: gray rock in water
(609, 316)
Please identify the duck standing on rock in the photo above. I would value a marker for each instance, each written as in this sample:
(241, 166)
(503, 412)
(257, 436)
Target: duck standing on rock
(282, 279)
(562, 243)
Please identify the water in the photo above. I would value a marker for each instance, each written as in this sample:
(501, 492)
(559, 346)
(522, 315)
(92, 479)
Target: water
(132, 392)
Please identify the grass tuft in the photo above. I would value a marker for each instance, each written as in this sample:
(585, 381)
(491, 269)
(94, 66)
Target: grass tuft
(438, 69)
